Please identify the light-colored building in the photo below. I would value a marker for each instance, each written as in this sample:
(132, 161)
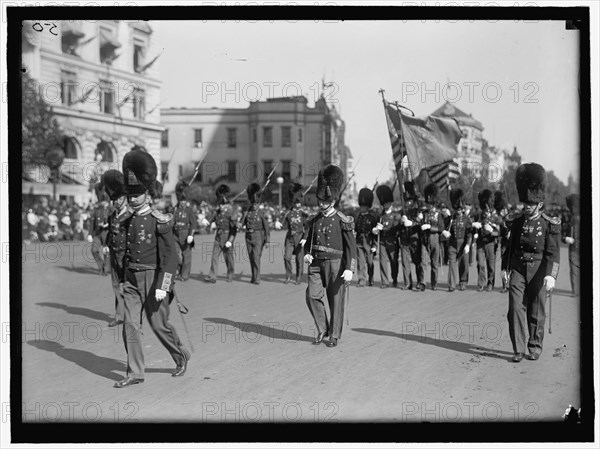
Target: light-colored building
(102, 80)
(238, 146)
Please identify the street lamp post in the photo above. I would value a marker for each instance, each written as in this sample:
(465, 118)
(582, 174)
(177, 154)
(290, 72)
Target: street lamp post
(280, 183)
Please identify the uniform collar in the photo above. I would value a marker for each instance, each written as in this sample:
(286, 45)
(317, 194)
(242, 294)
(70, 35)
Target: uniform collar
(333, 211)
(145, 210)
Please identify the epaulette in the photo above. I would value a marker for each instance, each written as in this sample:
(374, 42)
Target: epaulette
(161, 217)
(347, 221)
(555, 227)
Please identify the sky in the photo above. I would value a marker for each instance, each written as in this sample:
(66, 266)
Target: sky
(519, 79)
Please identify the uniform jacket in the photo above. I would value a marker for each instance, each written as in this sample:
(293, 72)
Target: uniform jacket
(185, 221)
(150, 245)
(256, 221)
(364, 224)
(99, 221)
(571, 229)
(295, 221)
(117, 238)
(391, 228)
(460, 229)
(495, 221)
(410, 233)
(332, 238)
(433, 217)
(226, 224)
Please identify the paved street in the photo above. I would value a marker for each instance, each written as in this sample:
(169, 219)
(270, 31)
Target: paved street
(405, 356)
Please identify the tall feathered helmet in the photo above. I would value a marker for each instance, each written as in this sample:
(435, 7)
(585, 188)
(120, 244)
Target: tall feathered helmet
(410, 192)
(222, 191)
(365, 197)
(486, 199)
(158, 190)
(100, 192)
(431, 193)
(330, 183)
(384, 194)
(296, 192)
(500, 202)
(253, 192)
(457, 199)
(114, 184)
(531, 183)
(181, 190)
(573, 203)
(139, 170)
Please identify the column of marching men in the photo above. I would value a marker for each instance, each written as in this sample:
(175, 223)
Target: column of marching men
(145, 251)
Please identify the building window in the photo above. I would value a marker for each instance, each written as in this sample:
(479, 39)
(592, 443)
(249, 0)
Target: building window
(104, 152)
(71, 146)
(164, 138)
(71, 34)
(139, 105)
(231, 137)
(68, 88)
(198, 138)
(139, 53)
(267, 167)
(231, 171)
(286, 171)
(108, 45)
(286, 136)
(267, 136)
(300, 136)
(107, 98)
(254, 135)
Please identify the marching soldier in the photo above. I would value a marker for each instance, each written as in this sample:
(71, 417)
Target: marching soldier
(226, 230)
(432, 224)
(331, 255)
(365, 239)
(531, 262)
(487, 225)
(113, 183)
(294, 220)
(257, 231)
(572, 238)
(458, 234)
(501, 207)
(149, 264)
(410, 243)
(99, 231)
(387, 230)
(184, 229)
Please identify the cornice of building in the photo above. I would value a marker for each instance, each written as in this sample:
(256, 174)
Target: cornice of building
(105, 118)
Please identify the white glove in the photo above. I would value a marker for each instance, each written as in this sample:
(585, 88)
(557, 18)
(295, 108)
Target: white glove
(302, 242)
(190, 239)
(403, 218)
(375, 230)
(420, 216)
(488, 228)
(569, 240)
(278, 225)
(373, 249)
(549, 282)
(476, 236)
(105, 250)
(90, 238)
(160, 294)
(213, 226)
(205, 222)
(446, 212)
(379, 226)
(308, 258)
(445, 234)
(227, 244)
(476, 225)
(467, 249)
(408, 223)
(347, 275)
(425, 227)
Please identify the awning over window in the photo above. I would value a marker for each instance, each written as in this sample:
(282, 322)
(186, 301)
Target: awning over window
(74, 29)
(107, 38)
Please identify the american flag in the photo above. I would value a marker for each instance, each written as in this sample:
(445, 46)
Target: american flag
(396, 138)
(443, 173)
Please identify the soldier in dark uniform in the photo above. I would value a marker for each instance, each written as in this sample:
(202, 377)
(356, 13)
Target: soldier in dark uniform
(432, 224)
(149, 264)
(531, 262)
(366, 241)
(571, 237)
(257, 231)
(99, 231)
(331, 255)
(387, 230)
(458, 234)
(226, 230)
(487, 225)
(184, 229)
(294, 220)
(501, 208)
(410, 242)
(113, 183)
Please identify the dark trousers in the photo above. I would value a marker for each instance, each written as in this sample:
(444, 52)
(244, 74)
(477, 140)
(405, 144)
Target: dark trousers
(325, 278)
(486, 264)
(254, 245)
(184, 257)
(102, 260)
(365, 267)
(119, 301)
(574, 271)
(458, 264)
(411, 252)
(293, 249)
(219, 248)
(503, 247)
(139, 296)
(526, 307)
(430, 255)
(388, 261)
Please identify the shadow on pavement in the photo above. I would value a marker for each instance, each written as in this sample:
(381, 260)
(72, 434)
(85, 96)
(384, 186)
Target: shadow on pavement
(259, 329)
(93, 314)
(80, 270)
(446, 344)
